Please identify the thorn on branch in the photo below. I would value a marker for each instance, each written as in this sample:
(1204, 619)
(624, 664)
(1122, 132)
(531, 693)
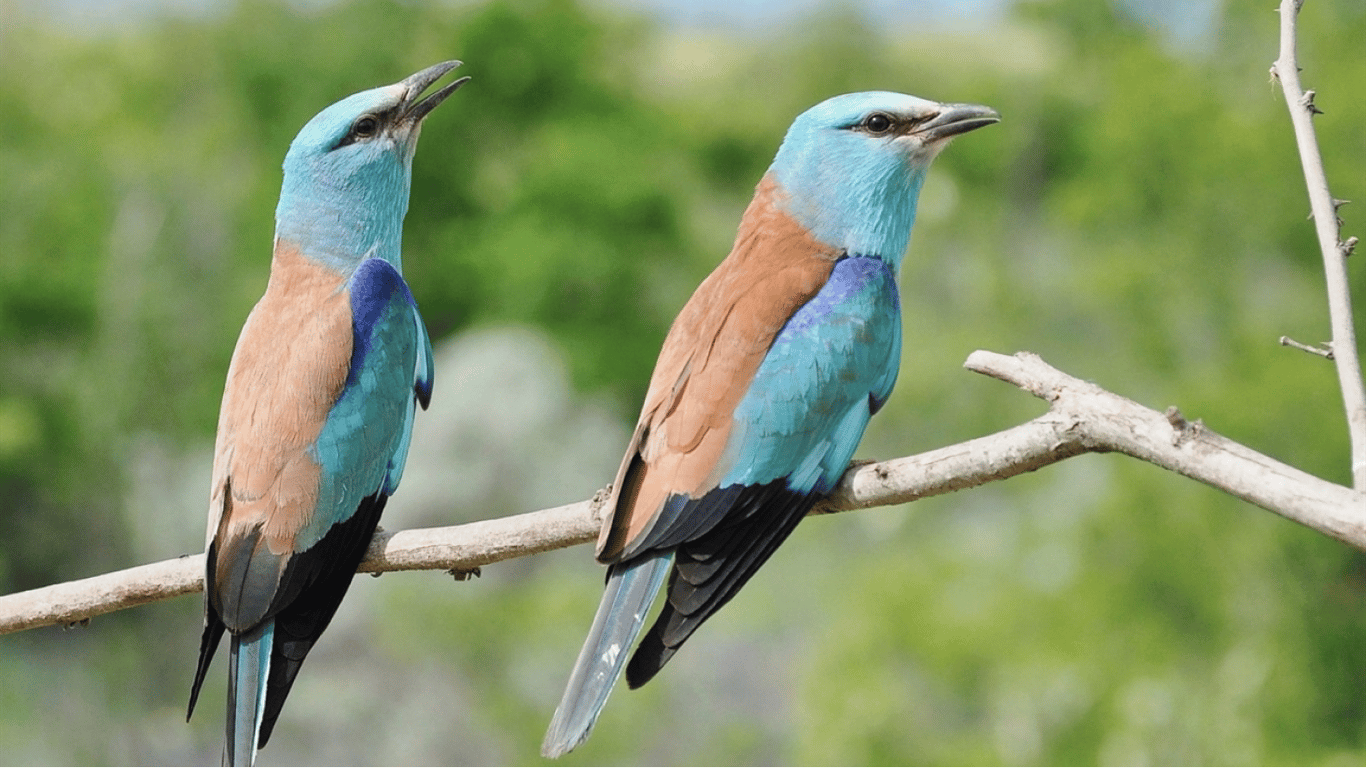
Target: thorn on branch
(1183, 430)
(1337, 204)
(1323, 350)
(462, 574)
(1348, 246)
(1307, 101)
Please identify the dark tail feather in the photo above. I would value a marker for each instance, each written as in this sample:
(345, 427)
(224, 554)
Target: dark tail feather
(625, 602)
(208, 645)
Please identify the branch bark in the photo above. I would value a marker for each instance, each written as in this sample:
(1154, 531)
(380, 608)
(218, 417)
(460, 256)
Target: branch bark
(1335, 251)
(1081, 418)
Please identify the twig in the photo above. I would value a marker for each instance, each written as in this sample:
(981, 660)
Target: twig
(1082, 418)
(1327, 225)
(1321, 350)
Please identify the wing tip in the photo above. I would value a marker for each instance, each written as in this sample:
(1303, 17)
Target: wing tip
(208, 645)
(650, 657)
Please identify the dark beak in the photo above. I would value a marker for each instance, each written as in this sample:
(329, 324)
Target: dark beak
(954, 119)
(416, 83)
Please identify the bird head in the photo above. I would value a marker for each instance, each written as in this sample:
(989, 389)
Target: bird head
(852, 166)
(348, 172)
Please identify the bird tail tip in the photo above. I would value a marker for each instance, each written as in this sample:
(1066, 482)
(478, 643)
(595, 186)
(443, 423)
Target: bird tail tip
(625, 602)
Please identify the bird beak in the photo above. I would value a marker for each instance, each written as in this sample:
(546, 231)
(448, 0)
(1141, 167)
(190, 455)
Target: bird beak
(413, 86)
(954, 119)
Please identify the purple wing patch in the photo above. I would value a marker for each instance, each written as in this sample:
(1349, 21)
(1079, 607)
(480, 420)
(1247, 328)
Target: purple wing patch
(373, 287)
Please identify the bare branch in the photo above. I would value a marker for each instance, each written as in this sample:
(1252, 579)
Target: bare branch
(74, 602)
(1082, 418)
(1328, 227)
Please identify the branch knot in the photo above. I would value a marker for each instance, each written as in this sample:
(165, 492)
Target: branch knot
(1183, 430)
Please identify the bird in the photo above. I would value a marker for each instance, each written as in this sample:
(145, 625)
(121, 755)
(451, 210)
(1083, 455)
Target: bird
(764, 385)
(318, 407)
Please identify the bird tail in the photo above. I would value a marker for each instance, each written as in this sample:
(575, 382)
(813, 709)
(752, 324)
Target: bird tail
(248, 671)
(625, 602)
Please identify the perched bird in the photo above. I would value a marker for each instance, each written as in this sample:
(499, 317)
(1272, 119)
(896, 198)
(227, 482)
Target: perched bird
(318, 407)
(764, 385)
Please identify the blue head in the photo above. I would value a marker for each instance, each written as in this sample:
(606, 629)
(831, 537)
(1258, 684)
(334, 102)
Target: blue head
(348, 172)
(852, 166)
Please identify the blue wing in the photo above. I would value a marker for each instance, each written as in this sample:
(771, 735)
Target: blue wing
(829, 370)
(794, 432)
(364, 443)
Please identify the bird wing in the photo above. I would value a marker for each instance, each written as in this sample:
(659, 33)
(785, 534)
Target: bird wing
(829, 370)
(792, 436)
(707, 364)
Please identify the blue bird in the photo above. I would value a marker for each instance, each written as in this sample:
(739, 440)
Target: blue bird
(318, 407)
(764, 385)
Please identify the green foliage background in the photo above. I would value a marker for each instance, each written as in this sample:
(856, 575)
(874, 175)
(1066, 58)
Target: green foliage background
(1137, 218)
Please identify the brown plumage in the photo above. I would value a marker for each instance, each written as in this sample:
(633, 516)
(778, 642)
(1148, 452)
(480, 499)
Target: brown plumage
(288, 369)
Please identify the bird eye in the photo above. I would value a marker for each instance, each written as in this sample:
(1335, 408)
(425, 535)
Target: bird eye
(365, 127)
(877, 123)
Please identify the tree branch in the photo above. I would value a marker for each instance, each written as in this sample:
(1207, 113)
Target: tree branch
(1335, 251)
(1082, 418)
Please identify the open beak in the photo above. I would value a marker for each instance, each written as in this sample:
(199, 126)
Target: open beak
(954, 119)
(413, 110)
